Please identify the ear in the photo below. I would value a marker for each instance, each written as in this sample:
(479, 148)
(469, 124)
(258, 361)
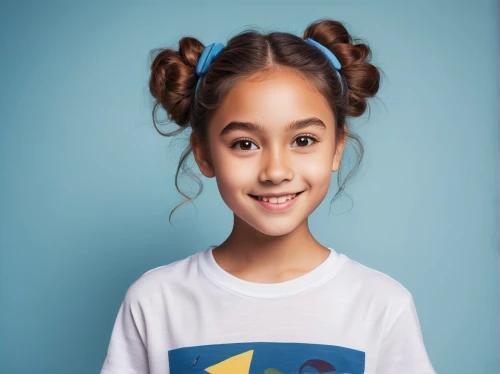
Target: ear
(201, 157)
(337, 158)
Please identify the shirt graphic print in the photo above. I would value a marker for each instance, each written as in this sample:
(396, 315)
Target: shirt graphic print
(266, 358)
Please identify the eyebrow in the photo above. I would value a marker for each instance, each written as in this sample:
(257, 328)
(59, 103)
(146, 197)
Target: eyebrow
(256, 128)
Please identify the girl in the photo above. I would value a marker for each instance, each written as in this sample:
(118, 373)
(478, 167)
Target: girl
(268, 114)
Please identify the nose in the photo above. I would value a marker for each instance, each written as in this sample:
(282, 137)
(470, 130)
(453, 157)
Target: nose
(276, 165)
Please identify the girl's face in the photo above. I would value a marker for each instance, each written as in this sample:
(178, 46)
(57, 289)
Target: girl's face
(272, 135)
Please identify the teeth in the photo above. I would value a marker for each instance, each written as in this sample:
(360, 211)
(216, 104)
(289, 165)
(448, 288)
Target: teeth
(276, 200)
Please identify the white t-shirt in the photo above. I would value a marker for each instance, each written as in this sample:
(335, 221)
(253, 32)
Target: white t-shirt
(191, 316)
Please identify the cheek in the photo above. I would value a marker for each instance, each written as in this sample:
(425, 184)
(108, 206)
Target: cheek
(232, 175)
(315, 170)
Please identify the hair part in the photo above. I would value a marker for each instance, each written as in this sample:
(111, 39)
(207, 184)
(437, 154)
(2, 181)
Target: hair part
(173, 81)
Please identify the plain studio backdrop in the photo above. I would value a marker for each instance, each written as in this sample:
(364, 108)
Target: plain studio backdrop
(87, 183)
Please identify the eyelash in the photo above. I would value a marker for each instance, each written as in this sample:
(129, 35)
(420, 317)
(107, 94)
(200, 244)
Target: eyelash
(310, 136)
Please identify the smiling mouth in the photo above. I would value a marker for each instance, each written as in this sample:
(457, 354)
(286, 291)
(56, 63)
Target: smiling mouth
(276, 200)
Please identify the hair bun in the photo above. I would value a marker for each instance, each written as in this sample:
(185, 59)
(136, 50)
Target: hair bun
(362, 78)
(173, 80)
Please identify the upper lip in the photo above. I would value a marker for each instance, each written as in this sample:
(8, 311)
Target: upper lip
(278, 194)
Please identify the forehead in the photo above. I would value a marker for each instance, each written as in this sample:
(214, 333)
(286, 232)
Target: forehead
(272, 99)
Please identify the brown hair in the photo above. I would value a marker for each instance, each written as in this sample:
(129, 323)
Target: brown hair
(173, 79)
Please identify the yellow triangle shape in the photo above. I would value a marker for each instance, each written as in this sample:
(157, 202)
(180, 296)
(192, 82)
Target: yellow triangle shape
(239, 364)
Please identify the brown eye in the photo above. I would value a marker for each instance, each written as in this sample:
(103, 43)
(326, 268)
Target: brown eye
(245, 145)
(302, 141)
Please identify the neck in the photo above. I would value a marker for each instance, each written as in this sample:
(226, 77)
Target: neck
(250, 254)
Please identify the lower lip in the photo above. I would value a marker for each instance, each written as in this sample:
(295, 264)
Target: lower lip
(278, 207)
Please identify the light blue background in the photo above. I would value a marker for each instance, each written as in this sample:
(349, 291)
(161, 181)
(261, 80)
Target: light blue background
(87, 182)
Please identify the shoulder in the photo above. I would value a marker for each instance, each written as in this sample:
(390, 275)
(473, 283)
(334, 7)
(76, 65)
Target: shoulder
(162, 279)
(374, 283)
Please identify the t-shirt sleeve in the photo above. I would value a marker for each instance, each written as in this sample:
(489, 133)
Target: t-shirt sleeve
(402, 347)
(127, 352)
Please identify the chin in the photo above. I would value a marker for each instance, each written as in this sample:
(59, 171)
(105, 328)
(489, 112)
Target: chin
(274, 229)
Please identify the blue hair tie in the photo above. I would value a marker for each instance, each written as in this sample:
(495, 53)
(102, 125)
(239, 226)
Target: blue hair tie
(330, 56)
(212, 50)
(209, 53)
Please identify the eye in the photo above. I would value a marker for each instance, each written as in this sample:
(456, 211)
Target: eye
(245, 144)
(302, 140)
